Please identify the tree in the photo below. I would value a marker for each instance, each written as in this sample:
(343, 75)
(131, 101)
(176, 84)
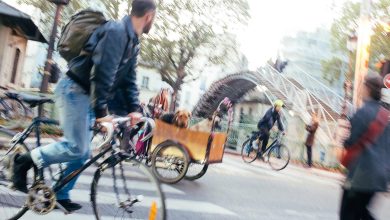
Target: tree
(332, 69)
(113, 7)
(110, 8)
(189, 35)
(347, 24)
(47, 10)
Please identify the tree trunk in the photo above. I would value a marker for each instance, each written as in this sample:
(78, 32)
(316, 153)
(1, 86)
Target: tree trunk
(172, 106)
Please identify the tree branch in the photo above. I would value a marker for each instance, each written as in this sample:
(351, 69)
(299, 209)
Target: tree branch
(172, 61)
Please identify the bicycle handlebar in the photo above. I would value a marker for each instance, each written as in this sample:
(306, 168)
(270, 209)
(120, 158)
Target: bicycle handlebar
(111, 126)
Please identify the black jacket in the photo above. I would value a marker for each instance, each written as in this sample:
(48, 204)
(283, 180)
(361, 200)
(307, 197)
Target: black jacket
(269, 119)
(106, 68)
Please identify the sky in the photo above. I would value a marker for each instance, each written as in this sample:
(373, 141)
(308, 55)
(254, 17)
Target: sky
(273, 19)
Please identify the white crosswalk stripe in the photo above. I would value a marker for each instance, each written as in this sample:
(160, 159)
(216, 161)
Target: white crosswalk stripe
(134, 184)
(81, 194)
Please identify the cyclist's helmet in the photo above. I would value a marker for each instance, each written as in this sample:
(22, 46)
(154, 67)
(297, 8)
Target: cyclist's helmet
(279, 103)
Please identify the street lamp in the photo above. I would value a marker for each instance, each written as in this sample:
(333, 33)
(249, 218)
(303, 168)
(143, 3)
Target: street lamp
(49, 60)
(351, 46)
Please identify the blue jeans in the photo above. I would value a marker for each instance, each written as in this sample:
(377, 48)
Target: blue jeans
(75, 119)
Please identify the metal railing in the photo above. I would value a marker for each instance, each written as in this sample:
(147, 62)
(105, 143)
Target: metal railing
(302, 100)
(326, 94)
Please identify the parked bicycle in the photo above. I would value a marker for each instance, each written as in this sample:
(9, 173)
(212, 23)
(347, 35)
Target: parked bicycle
(278, 155)
(12, 111)
(114, 192)
(32, 135)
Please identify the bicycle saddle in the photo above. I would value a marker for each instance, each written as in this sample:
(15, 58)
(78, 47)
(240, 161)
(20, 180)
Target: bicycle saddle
(32, 100)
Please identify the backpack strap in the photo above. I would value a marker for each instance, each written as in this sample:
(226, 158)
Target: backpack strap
(374, 130)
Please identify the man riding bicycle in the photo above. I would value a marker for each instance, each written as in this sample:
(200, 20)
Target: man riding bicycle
(267, 122)
(101, 78)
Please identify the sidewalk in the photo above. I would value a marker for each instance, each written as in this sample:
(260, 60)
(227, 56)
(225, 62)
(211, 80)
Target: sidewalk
(315, 171)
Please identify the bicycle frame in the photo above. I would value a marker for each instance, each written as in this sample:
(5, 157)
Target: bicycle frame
(276, 142)
(34, 126)
(109, 145)
(110, 160)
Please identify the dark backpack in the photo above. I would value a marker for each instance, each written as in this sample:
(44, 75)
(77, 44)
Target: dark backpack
(77, 31)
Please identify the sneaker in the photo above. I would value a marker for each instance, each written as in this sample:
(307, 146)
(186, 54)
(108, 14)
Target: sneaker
(69, 205)
(260, 156)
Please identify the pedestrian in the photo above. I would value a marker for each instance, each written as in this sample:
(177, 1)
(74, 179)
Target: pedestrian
(367, 154)
(312, 129)
(104, 73)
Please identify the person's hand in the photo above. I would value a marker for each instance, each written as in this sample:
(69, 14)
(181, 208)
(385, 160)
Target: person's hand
(134, 117)
(98, 121)
(107, 118)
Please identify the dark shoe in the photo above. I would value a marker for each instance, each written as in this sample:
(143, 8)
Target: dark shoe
(69, 205)
(22, 163)
(260, 156)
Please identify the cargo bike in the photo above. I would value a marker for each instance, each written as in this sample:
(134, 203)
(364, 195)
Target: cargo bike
(178, 153)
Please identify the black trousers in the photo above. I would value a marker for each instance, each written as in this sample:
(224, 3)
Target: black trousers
(309, 155)
(262, 135)
(354, 205)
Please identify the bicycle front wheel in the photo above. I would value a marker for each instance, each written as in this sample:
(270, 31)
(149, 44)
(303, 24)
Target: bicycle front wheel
(12, 203)
(278, 157)
(126, 190)
(248, 153)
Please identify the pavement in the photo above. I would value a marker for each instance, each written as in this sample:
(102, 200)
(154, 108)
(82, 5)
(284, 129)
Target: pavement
(236, 190)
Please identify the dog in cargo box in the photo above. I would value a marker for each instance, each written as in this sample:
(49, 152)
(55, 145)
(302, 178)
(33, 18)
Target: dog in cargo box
(180, 118)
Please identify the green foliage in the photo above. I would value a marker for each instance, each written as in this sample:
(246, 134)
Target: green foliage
(189, 35)
(331, 69)
(184, 31)
(48, 9)
(347, 24)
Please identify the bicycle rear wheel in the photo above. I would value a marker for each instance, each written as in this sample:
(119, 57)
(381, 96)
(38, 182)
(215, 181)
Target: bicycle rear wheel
(196, 171)
(248, 153)
(12, 203)
(126, 190)
(278, 157)
(12, 113)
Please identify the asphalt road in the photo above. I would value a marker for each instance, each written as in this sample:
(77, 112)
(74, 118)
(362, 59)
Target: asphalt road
(234, 190)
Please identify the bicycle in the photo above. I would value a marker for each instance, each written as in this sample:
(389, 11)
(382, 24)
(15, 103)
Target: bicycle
(138, 145)
(124, 204)
(12, 111)
(278, 155)
(35, 127)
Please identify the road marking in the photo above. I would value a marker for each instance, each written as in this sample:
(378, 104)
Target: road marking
(171, 204)
(58, 215)
(134, 184)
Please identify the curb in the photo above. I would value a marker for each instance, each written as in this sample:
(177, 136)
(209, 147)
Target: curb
(315, 171)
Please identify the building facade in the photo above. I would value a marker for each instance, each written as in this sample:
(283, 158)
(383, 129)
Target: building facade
(16, 29)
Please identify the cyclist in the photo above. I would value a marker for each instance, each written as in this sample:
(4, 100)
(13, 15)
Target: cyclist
(103, 77)
(266, 123)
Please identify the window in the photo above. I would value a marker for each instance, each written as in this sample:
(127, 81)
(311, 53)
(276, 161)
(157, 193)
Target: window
(15, 67)
(145, 82)
(241, 115)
